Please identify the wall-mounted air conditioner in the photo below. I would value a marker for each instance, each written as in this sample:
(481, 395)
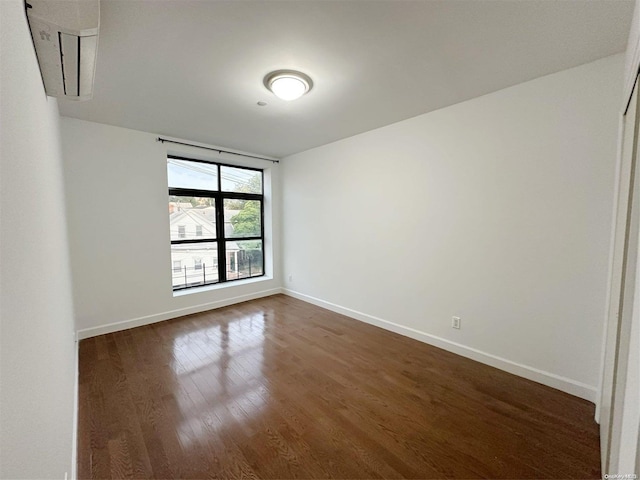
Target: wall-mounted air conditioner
(65, 35)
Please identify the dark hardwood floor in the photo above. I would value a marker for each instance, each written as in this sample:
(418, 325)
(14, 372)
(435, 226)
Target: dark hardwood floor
(278, 388)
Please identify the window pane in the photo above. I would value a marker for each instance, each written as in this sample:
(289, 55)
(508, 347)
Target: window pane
(244, 259)
(184, 174)
(194, 264)
(242, 218)
(241, 180)
(192, 217)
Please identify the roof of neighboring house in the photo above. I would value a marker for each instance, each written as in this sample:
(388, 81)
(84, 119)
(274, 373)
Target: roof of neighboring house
(181, 205)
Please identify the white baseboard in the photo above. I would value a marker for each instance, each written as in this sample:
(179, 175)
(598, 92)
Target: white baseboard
(558, 382)
(159, 317)
(567, 385)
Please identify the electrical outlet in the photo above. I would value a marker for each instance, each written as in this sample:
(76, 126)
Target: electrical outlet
(65, 475)
(290, 278)
(455, 322)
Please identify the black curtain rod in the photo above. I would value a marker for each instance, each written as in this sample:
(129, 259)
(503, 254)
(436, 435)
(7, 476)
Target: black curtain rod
(162, 140)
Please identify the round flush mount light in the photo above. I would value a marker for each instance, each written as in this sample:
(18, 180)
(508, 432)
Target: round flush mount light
(288, 84)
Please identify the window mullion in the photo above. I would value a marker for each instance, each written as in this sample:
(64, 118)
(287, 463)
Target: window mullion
(222, 248)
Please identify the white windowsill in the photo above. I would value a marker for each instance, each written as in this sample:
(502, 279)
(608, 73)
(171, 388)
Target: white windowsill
(221, 286)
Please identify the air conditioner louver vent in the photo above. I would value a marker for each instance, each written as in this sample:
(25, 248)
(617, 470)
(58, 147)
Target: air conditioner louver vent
(65, 36)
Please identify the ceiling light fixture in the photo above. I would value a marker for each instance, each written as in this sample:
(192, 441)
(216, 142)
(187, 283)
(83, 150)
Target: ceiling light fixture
(288, 84)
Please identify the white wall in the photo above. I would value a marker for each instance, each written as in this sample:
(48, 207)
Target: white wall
(116, 186)
(632, 55)
(38, 362)
(497, 210)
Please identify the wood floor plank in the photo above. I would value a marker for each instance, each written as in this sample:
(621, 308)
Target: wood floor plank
(277, 388)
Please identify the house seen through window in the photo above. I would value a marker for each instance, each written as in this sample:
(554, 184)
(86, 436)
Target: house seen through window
(216, 222)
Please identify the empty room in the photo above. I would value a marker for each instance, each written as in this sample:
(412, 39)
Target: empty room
(319, 239)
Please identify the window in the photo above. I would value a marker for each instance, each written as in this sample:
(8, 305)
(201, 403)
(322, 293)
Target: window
(216, 216)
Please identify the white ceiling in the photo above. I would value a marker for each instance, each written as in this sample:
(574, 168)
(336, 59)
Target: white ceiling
(194, 69)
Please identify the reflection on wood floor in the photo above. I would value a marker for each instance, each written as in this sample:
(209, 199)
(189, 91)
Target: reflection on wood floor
(277, 388)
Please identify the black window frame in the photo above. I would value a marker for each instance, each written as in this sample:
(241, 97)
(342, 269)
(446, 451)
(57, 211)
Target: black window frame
(221, 240)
